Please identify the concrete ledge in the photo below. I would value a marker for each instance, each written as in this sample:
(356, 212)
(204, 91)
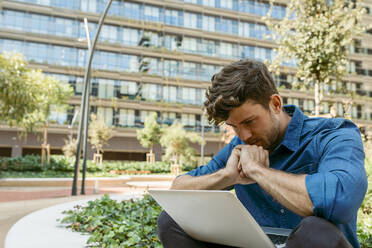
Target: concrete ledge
(89, 182)
(41, 229)
(147, 184)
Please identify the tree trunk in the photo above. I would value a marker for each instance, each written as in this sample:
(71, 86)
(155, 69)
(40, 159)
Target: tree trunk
(97, 156)
(175, 167)
(347, 104)
(45, 149)
(150, 157)
(317, 97)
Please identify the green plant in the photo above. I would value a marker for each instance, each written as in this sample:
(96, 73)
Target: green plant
(69, 149)
(150, 134)
(156, 167)
(130, 223)
(364, 223)
(99, 133)
(50, 174)
(176, 141)
(316, 34)
(26, 163)
(62, 164)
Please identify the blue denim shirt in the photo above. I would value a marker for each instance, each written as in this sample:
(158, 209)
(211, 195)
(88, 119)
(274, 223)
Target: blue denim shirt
(330, 152)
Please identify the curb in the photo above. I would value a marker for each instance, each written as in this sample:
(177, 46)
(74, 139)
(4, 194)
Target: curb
(92, 181)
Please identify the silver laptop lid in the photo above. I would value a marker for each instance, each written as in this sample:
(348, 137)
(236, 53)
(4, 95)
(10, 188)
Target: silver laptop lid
(212, 216)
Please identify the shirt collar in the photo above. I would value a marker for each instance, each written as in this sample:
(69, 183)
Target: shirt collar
(292, 135)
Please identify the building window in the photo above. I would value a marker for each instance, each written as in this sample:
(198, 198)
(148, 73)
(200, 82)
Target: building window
(188, 121)
(168, 118)
(170, 93)
(209, 3)
(227, 4)
(105, 114)
(190, 20)
(145, 114)
(109, 33)
(209, 23)
(126, 117)
(106, 88)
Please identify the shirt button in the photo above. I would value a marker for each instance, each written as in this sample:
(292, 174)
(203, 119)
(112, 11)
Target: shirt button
(282, 211)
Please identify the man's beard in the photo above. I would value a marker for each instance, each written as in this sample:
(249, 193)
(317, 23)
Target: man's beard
(273, 136)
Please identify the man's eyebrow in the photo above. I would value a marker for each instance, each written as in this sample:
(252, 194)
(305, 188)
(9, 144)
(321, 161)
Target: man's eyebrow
(250, 118)
(229, 124)
(246, 119)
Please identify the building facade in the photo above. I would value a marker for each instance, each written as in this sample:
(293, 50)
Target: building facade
(156, 56)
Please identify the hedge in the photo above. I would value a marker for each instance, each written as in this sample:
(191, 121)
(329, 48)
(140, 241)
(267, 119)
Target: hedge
(63, 164)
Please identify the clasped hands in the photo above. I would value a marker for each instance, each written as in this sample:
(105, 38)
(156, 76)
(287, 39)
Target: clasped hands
(245, 162)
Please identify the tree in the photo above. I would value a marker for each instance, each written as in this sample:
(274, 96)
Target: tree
(53, 97)
(69, 149)
(99, 134)
(27, 96)
(177, 141)
(19, 91)
(316, 34)
(150, 134)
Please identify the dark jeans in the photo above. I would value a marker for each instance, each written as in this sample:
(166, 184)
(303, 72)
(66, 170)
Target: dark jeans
(312, 232)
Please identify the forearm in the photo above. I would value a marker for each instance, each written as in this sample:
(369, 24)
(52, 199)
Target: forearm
(288, 189)
(215, 181)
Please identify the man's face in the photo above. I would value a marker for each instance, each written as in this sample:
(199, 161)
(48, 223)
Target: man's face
(255, 125)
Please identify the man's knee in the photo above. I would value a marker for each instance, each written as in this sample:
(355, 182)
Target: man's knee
(317, 232)
(165, 224)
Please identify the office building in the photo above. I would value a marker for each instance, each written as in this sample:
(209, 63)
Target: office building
(156, 56)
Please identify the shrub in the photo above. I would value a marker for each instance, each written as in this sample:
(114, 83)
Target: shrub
(3, 165)
(69, 149)
(61, 163)
(364, 229)
(130, 223)
(26, 163)
(157, 167)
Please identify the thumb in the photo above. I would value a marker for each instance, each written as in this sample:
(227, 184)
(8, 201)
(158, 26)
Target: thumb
(234, 156)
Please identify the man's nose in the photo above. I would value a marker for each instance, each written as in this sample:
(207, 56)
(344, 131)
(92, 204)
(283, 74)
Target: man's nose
(245, 134)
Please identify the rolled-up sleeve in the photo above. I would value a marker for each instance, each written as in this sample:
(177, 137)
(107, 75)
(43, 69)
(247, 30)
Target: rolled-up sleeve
(340, 184)
(217, 162)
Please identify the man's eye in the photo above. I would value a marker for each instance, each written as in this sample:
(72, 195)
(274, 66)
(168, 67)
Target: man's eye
(247, 123)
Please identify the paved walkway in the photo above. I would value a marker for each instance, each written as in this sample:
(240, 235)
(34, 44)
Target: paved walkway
(17, 202)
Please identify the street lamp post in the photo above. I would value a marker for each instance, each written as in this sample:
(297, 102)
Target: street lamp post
(86, 117)
(85, 98)
(72, 124)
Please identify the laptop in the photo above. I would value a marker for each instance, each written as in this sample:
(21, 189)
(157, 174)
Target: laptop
(218, 217)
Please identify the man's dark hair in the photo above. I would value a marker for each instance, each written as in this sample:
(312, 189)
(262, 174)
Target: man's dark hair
(235, 84)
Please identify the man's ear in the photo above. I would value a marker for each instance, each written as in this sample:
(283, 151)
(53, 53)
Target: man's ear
(275, 103)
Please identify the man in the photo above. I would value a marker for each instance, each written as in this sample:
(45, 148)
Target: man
(286, 168)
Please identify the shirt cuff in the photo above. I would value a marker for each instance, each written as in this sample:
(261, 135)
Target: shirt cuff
(316, 187)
